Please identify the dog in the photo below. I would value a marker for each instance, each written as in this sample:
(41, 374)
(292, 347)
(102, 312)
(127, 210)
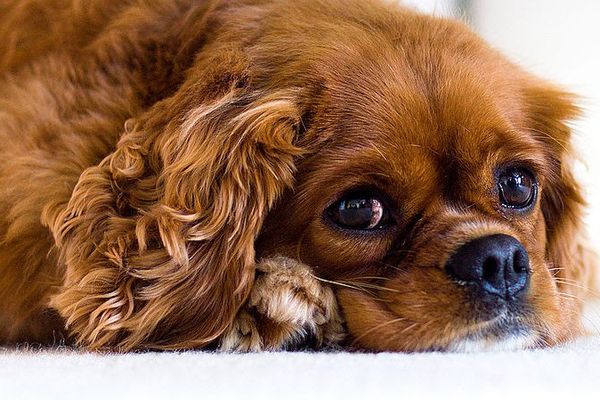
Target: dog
(259, 175)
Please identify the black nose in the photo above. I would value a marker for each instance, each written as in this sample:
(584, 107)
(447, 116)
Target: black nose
(497, 264)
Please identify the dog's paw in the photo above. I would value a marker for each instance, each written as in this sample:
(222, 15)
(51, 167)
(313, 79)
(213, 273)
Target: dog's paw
(288, 308)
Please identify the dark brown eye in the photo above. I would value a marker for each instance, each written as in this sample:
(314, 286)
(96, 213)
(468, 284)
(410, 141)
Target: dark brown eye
(361, 211)
(517, 188)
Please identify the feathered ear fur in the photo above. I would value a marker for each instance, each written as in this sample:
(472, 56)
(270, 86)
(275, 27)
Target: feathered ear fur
(158, 239)
(562, 203)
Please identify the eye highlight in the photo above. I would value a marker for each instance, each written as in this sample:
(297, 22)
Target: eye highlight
(517, 188)
(360, 211)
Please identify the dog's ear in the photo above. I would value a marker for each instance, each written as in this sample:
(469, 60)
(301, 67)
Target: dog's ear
(158, 239)
(549, 112)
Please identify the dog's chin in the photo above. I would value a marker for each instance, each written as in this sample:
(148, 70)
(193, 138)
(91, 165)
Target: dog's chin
(500, 334)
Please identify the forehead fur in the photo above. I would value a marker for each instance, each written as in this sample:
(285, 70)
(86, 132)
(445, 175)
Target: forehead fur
(424, 102)
(429, 82)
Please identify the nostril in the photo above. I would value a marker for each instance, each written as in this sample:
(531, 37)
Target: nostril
(490, 269)
(520, 262)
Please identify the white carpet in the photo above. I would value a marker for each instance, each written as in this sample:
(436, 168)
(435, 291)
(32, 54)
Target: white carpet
(567, 372)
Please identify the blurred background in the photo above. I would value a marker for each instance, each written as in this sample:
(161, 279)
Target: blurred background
(557, 40)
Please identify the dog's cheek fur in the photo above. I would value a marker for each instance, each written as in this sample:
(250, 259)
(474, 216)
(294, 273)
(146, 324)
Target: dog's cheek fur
(158, 239)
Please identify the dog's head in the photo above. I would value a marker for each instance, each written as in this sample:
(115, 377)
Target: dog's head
(395, 153)
(441, 201)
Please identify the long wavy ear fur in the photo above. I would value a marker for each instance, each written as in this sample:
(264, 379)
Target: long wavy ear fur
(562, 202)
(158, 239)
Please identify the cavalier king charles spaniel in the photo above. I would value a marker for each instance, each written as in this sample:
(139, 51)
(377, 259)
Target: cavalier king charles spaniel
(262, 174)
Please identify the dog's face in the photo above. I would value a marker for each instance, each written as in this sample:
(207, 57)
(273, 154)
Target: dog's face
(427, 197)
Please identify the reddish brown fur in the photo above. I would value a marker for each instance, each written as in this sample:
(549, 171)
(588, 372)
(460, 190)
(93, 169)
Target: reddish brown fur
(146, 146)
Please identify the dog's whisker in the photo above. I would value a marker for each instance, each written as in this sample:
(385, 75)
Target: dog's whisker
(372, 286)
(373, 277)
(339, 283)
(578, 286)
(361, 286)
(569, 295)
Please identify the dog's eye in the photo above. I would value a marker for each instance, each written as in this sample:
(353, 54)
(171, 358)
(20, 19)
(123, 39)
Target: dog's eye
(361, 211)
(517, 187)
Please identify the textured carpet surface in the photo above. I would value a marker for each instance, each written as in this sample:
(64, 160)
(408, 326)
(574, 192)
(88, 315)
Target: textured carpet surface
(569, 372)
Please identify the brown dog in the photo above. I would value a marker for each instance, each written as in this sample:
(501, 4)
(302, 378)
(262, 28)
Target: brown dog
(152, 152)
